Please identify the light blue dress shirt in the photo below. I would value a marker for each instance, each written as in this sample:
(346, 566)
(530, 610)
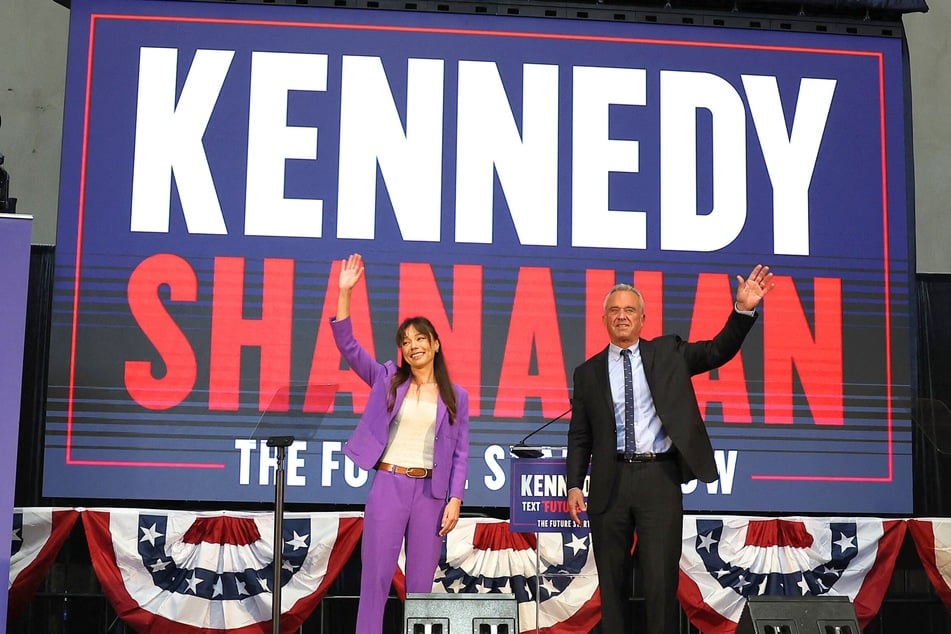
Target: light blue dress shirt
(648, 432)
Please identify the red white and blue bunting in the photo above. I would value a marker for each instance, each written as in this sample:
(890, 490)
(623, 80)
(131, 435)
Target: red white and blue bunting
(210, 572)
(552, 576)
(38, 535)
(725, 560)
(932, 539)
(169, 571)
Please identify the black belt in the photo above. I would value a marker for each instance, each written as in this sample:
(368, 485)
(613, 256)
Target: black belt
(647, 457)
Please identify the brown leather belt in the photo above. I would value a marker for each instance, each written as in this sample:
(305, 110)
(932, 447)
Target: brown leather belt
(647, 457)
(409, 472)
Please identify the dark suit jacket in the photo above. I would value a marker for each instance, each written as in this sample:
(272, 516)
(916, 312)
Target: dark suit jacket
(669, 362)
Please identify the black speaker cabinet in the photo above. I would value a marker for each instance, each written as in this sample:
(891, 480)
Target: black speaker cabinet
(441, 613)
(798, 615)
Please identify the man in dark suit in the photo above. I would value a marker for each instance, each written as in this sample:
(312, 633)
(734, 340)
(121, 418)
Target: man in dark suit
(636, 421)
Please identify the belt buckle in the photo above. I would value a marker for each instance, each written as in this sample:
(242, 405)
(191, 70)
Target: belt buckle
(416, 472)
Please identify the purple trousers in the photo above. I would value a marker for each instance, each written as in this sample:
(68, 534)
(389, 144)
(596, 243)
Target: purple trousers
(397, 507)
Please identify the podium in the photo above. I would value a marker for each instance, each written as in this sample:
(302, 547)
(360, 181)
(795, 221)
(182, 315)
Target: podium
(538, 504)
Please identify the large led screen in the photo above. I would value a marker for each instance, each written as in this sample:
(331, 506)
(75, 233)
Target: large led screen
(499, 175)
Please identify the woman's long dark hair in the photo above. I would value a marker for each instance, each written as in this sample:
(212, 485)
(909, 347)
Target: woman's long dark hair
(440, 371)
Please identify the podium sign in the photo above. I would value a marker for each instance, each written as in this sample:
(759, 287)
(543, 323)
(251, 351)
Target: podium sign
(538, 502)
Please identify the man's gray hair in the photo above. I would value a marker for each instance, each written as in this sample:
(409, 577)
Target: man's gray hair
(623, 287)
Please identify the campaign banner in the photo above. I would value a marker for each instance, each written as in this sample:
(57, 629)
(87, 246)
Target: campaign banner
(538, 495)
(498, 174)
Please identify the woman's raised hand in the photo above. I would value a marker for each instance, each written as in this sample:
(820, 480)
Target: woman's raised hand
(351, 270)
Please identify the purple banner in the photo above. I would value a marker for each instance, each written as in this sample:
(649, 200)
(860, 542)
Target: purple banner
(15, 234)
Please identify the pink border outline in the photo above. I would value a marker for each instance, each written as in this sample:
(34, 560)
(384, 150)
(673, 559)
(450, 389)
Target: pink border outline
(546, 36)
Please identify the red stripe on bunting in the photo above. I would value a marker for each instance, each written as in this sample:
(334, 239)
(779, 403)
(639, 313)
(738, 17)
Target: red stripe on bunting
(584, 620)
(868, 601)
(103, 557)
(24, 586)
(776, 532)
(926, 543)
(498, 536)
(240, 531)
(701, 615)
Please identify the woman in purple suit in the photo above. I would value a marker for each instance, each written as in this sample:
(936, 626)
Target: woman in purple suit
(415, 433)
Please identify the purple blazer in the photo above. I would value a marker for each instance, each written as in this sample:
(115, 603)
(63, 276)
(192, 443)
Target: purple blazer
(368, 441)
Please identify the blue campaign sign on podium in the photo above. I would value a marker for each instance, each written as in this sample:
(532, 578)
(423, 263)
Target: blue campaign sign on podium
(539, 491)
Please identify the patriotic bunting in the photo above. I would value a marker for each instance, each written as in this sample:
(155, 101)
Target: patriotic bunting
(203, 573)
(932, 539)
(38, 535)
(209, 573)
(558, 570)
(727, 559)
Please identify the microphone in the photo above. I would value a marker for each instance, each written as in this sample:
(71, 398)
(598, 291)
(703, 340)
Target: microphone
(522, 451)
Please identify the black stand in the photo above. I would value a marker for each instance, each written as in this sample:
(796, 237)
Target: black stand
(282, 443)
(295, 412)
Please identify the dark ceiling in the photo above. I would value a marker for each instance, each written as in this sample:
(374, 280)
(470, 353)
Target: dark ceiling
(836, 10)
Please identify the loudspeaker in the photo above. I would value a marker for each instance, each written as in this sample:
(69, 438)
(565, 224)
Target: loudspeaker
(469, 613)
(798, 615)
